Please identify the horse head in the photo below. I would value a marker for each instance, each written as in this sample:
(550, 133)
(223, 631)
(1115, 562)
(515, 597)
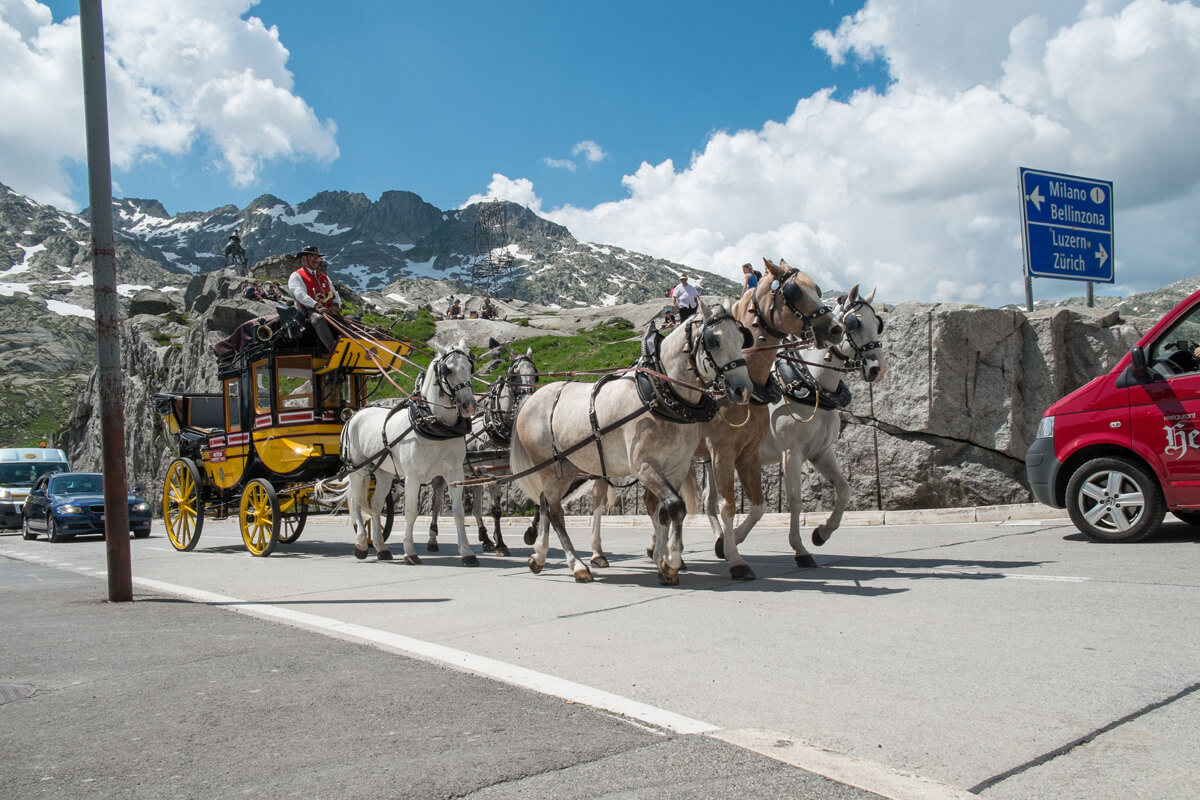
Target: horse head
(717, 352)
(863, 326)
(451, 374)
(788, 302)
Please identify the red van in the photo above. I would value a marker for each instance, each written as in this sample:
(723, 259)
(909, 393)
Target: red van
(1123, 450)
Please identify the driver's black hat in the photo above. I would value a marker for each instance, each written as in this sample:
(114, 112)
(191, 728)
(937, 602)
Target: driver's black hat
(309, 251)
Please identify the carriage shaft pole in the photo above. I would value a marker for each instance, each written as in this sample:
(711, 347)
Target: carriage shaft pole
(104, 284)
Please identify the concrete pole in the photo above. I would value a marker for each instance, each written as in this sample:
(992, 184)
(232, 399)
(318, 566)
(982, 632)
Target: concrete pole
(104, 285)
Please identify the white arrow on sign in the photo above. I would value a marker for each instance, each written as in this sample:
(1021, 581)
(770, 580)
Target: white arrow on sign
(1036, 197)
(1102, 254)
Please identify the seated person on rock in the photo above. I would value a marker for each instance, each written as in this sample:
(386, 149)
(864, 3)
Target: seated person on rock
(315, 296)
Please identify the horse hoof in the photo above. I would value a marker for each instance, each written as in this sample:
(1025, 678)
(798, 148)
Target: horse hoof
(413, 559)
(487, 546)
(719, 548)
(432, 547)
(667, 576)
(470, 561)
(806, 561)
(383, 555)
(360, 554)
(502, 550)
(584, 576)
(650, 553)
(534, 566)
(742, 572)
(530, 536)
(682, 566)
(819, 538)
(599, 561)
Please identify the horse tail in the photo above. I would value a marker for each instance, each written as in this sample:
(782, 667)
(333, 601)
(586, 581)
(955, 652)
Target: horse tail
(691, 492)
(519, 461)
(332, 490)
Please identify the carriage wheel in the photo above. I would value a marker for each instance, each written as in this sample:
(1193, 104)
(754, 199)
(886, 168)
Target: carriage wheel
(182, 506)
(293, 525)
(259, 517)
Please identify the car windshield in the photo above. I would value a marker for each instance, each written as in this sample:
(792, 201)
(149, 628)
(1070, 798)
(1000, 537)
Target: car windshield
(26, 475)
(76, 484)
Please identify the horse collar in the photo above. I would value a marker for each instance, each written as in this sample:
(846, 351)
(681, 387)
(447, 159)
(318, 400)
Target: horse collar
(661, 398)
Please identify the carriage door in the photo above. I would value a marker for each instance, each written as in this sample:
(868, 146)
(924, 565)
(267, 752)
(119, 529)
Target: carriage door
(262, 394)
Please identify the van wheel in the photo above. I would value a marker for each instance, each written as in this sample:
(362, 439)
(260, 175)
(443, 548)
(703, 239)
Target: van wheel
(1114, 500)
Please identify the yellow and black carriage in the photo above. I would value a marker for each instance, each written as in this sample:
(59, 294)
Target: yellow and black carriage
(258, 448)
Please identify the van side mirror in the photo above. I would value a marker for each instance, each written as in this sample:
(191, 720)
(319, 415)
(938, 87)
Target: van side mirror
(1137, 373)
(1137, 365)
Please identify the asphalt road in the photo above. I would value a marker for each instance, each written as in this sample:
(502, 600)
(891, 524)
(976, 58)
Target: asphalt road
(1008, 659)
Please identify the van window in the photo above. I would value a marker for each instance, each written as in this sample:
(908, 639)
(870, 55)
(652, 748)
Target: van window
(1177, 351)
(25, 475)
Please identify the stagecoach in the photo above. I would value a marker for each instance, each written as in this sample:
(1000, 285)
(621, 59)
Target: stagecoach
(257, 448)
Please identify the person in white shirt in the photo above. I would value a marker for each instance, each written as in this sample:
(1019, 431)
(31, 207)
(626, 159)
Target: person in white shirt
(684, 297)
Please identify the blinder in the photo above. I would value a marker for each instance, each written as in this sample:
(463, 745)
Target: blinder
(709, 339)
(442, 374)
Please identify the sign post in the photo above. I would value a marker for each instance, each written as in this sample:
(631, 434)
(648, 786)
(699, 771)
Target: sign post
(1067, 227)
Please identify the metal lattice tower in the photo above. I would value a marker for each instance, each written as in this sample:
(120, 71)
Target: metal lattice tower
(494, 264)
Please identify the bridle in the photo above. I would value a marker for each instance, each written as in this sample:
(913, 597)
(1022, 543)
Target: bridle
(852, 323)
(792, 294)
(523, 385)
(441, 373)
(704, 344)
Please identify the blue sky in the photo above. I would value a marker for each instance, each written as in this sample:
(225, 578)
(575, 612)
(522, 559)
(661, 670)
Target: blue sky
(865, 141)
(436, 97)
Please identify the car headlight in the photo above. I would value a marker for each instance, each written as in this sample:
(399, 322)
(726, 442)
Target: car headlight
(70, 509)
(142, 506)
(1046, 428)
(5, 494)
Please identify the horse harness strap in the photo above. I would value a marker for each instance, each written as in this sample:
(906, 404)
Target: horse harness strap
(798, 384)
(658, 395)
(429, 426)
(596, 434)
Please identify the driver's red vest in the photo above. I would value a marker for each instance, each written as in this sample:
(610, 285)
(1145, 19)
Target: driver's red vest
(317, 285)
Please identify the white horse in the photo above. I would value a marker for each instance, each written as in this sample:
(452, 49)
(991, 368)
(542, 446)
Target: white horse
(607, 430)
(487, 449)
(807, 430)
(415, 443)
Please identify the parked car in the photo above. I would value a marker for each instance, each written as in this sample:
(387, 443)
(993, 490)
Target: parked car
(71, 504)
(1123, 450)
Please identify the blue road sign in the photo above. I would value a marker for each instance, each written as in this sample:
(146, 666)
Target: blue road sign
(1067, 224)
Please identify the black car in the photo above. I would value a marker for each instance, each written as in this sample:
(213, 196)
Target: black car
(72, 503)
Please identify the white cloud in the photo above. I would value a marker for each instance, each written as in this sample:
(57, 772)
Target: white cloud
(519, 191)
(591, 151)
(914, 189)
(560, 163)
(181, 74)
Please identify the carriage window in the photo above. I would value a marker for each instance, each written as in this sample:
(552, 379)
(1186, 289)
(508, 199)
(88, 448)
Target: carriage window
(335, 393)
(294, 376)
(262, 387)
(233, 405)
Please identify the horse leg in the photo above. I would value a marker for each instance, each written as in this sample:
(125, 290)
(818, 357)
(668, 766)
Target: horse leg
(378, 501)
(711, 498)
(435, 507)
(501, 547)
(668, 514)
(538, 535)
(792, 473)
(754, 513)
(477, 509)
(412, 497)
(600, 490)
(557, 518)
(827, 465)
(752, 485)
(531, 533)
(723, 472)
(359, 483)
(469, 559)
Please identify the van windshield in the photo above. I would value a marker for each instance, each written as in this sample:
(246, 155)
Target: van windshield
(25, 475)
